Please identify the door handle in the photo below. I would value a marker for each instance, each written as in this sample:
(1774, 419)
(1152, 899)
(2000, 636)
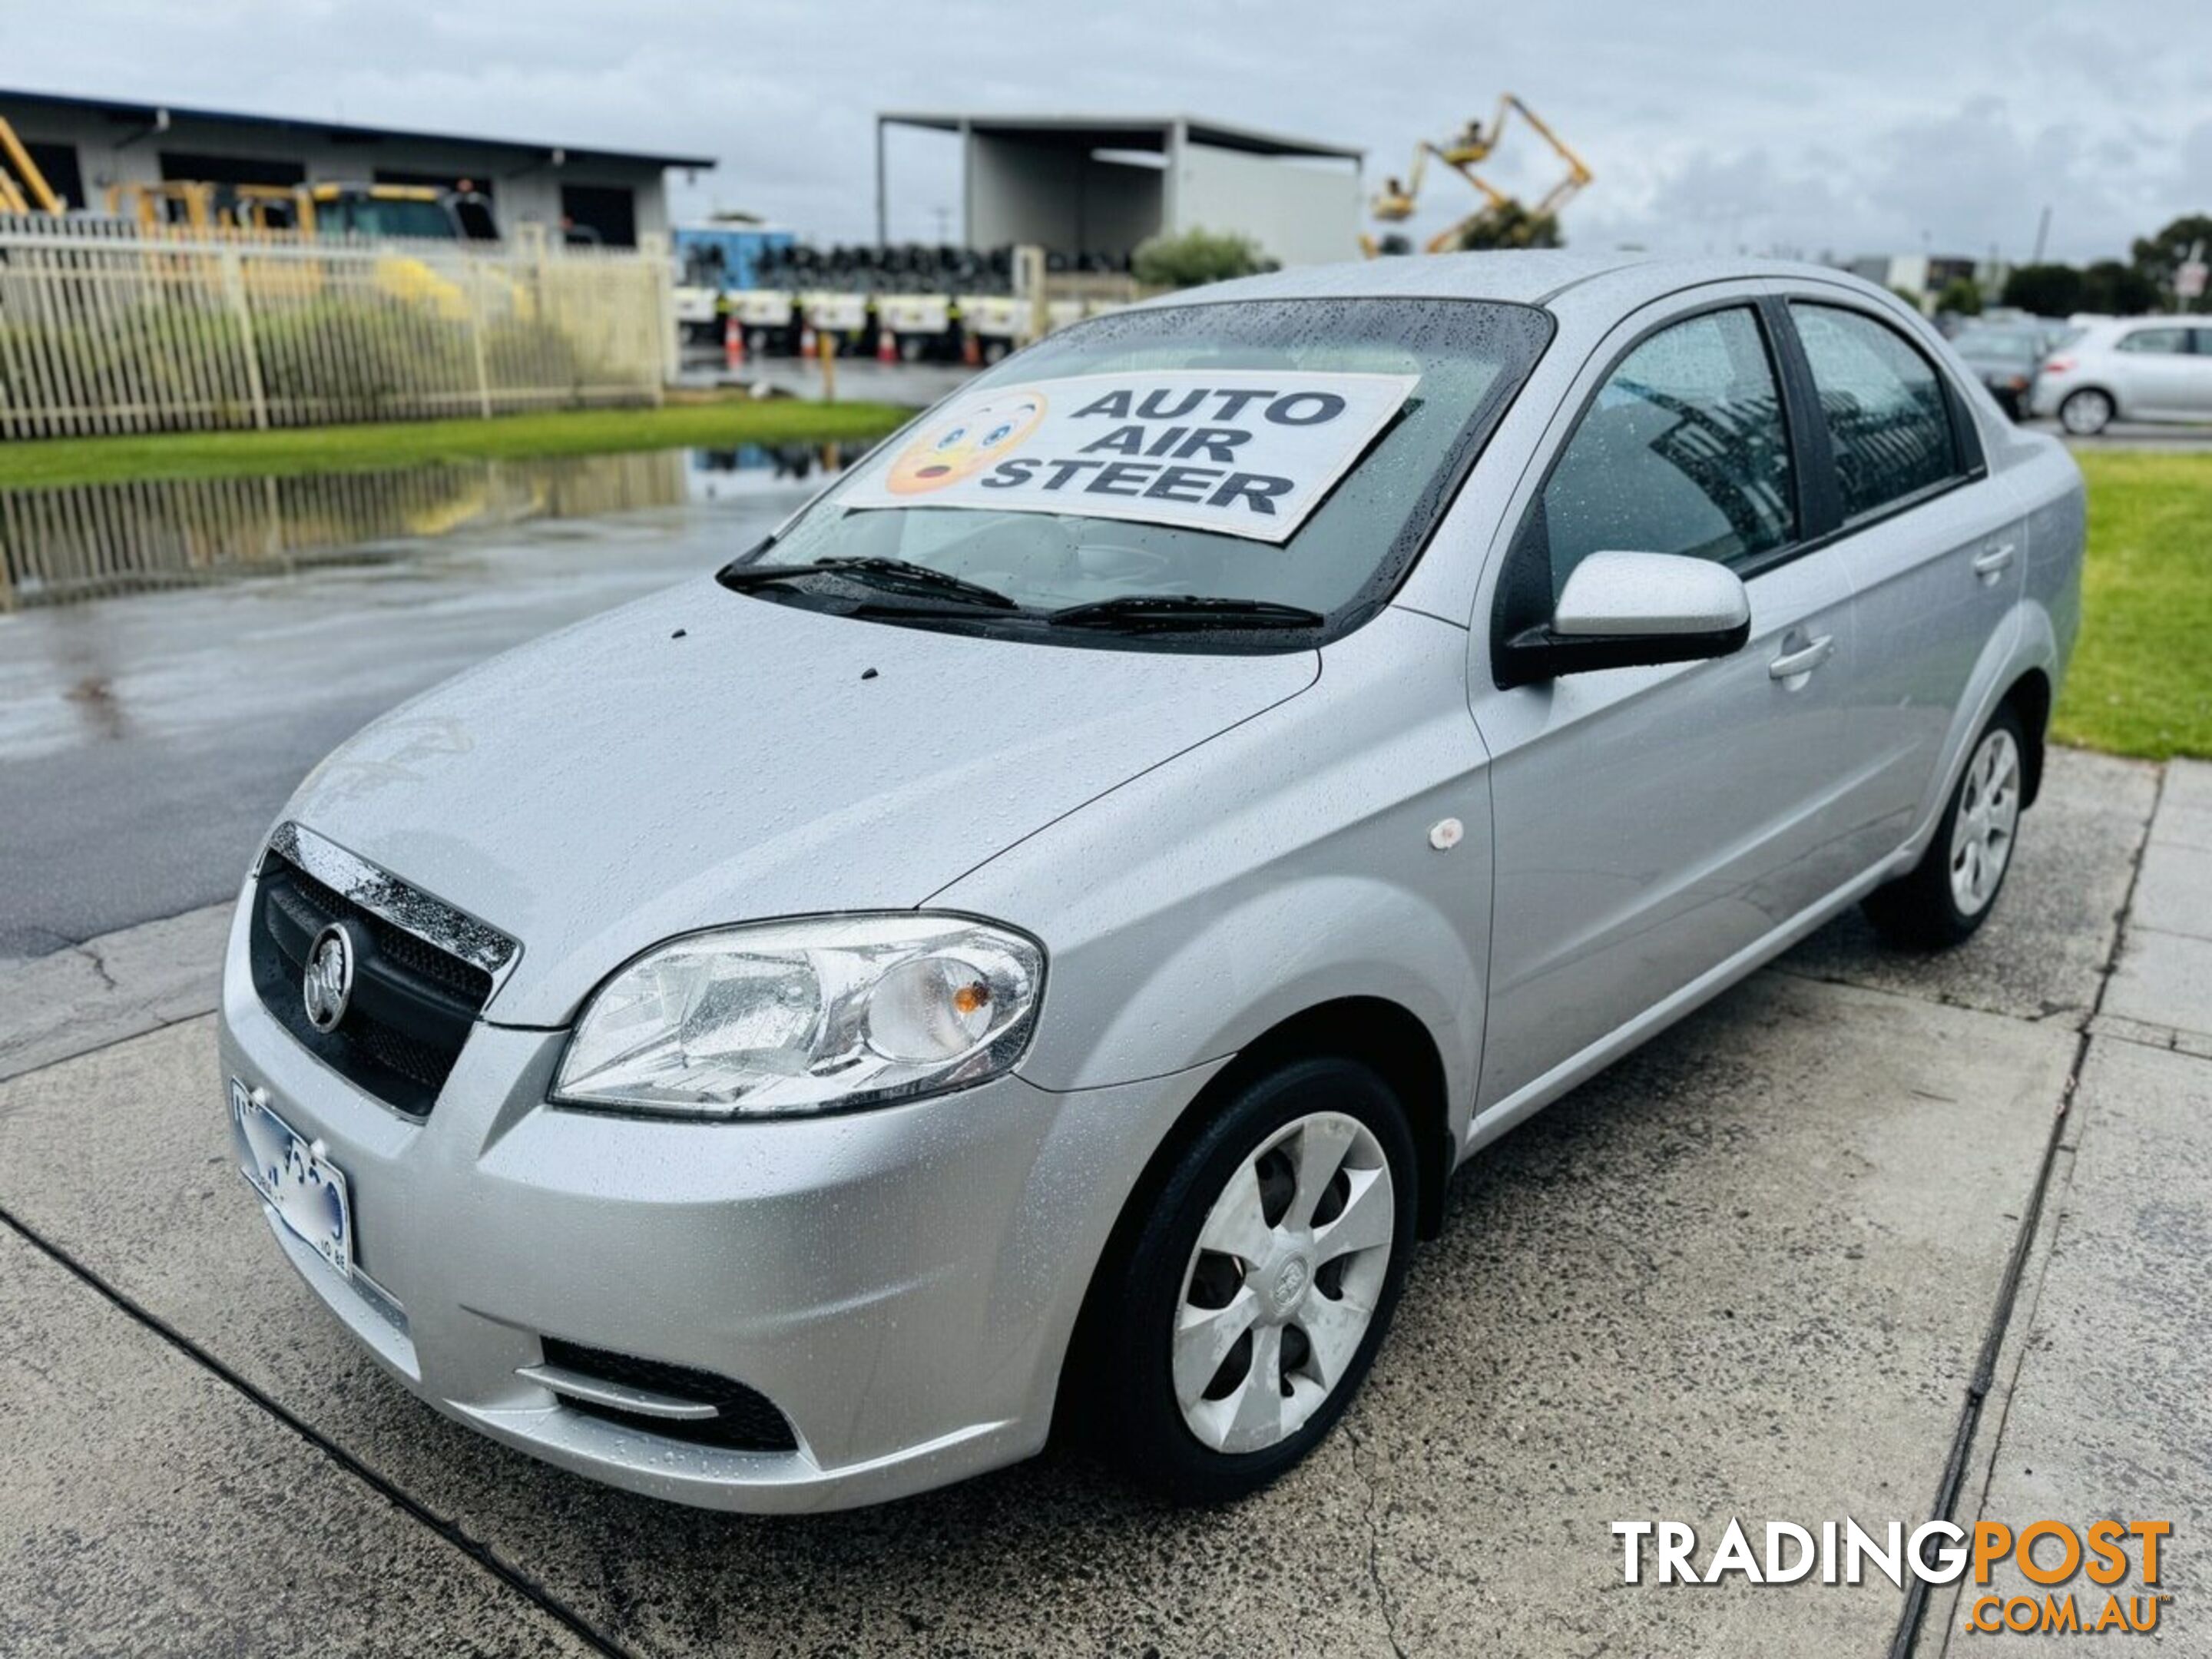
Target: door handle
(1804, 660)
(1992, 559)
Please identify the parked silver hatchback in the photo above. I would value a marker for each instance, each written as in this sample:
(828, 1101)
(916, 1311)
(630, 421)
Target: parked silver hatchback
(1030, 942)
(2140, 368)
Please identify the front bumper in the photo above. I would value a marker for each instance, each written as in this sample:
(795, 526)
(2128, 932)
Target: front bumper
(900, 1283)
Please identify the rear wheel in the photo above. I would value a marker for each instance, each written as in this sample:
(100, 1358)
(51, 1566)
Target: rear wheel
(1258, 1286)
(1953, 889)
(2086, 412)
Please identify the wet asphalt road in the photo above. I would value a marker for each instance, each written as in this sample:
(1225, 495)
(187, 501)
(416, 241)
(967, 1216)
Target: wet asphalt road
(146, 742)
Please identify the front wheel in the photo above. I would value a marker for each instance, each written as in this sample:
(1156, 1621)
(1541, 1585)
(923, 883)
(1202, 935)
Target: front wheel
(2086, 413)
(1951, 890)
(1256, 1289)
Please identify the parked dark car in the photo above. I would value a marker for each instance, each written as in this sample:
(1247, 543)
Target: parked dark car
(2005, 357)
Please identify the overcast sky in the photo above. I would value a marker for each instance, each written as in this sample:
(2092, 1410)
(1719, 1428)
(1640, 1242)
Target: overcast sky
(1881, 125)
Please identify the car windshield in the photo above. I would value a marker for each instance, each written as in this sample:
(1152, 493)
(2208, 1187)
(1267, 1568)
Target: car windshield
(1154, 507)
(375, 216)
(2010, 342)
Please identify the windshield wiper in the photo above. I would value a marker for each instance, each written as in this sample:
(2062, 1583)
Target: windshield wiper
(892, 575)
(1183, 611)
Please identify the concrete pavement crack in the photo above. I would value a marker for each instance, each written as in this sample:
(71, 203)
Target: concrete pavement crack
(1374, 1541)
(8, 1075)
(1935, 998)
(476, 1551)
(99, 966)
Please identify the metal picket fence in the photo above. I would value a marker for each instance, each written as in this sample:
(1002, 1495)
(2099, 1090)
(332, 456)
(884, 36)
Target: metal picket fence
(108, 326)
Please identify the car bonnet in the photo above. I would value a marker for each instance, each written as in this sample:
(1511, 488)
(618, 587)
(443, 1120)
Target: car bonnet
(704, 758)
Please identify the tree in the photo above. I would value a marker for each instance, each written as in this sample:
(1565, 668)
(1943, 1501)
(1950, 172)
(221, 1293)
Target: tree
(1961, 297)
(1196, 255)
(2044, 290)
(2158, 258)
(2117, 290)
(1510, 224)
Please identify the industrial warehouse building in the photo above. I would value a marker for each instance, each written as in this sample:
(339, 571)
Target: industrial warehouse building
(1077, 185)
(83, 145)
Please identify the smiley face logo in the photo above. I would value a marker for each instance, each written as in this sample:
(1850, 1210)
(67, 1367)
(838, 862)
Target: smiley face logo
(966, 441)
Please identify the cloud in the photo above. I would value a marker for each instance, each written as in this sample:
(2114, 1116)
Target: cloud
(1887, 125)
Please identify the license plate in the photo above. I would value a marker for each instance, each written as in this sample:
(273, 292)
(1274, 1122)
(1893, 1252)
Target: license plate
(307, 1192)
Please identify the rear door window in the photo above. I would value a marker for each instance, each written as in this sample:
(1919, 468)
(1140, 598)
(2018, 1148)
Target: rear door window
(2157, 342)
(1889, 422)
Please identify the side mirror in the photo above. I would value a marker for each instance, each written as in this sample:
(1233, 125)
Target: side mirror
(1629, 610)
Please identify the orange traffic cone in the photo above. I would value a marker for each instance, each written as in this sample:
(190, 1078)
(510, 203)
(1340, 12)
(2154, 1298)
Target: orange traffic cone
(971, 351)
(886, 345)
(806, 341)
(734, 345)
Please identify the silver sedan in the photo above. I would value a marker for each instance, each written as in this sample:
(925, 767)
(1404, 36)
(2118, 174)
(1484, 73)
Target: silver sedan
(1032, 942)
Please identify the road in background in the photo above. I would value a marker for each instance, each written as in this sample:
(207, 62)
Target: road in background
(2133, 435)
(147, 742)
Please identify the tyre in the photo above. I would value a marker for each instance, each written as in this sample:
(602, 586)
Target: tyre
(1257, 1283)
(2086, 412)
(1951, 891)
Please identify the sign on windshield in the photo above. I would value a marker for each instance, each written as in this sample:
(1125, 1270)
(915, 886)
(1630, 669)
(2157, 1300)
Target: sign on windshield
(1247, 453)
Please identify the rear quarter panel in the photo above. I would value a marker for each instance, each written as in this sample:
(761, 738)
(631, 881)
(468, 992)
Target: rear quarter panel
(2057, 504)
(2046, 618)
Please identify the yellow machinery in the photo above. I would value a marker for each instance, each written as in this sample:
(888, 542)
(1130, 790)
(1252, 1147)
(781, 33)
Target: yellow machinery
(300, 211)
(273, 210)
(185, 203)
(23, 188)
(297, 215)
(1395, 202)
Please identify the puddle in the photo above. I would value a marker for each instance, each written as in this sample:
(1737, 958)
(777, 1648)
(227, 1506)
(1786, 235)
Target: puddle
(719, 475)
(95, 541)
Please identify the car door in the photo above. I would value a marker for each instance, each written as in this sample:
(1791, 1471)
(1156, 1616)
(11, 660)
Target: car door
(1934, 546)
(2200, 374)
(2154, 368)
(1650, 824)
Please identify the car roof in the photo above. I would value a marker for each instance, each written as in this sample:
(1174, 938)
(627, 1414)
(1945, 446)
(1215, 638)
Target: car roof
(1554, 280)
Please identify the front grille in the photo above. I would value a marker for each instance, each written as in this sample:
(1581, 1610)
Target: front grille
(394, 942)
(413, 1002)
(744, 1419)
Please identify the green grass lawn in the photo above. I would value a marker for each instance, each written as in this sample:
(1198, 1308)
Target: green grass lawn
(690, 422)
(2142, 680)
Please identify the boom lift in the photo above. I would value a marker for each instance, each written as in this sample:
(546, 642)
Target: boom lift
(23, 188)
(1395, 202)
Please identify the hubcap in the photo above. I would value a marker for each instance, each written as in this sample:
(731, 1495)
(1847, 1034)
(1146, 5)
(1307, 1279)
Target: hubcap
(1989, 812)
(2085, 411)
(1284, 1282)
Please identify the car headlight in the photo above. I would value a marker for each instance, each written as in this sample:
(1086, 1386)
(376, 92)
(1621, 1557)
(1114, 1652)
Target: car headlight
(797, 1016)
